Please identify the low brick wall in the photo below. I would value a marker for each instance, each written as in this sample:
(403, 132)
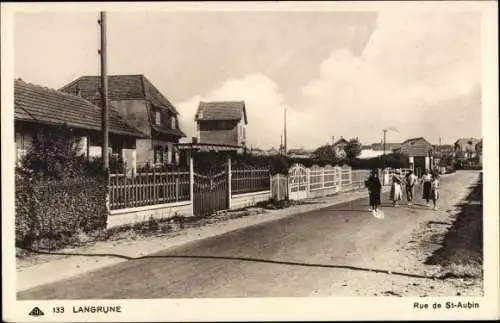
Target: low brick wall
(323, 192)
(248, 199)
(140, 214)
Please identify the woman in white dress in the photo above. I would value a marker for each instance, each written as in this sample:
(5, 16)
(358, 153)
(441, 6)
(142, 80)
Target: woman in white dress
(396, 189)
(435, 191)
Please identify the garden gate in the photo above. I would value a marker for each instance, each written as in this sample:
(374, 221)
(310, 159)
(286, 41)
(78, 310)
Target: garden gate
(297, 182)
(210, 192)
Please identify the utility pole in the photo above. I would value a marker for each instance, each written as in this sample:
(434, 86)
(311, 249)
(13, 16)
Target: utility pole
(385, 131)
(104, 92)
(281, 145)
(285, 135)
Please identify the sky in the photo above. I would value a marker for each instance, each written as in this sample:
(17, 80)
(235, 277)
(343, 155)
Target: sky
(341, 73)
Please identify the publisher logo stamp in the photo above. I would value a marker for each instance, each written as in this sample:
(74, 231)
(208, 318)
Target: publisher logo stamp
(36, 312)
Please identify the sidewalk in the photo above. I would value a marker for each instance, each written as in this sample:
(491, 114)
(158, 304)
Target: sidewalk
(68, 263)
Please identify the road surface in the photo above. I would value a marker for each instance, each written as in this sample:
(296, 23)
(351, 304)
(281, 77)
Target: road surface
(294, 256)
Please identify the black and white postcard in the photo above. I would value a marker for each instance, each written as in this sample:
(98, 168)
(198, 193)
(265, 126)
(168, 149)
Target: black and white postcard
(249, 161)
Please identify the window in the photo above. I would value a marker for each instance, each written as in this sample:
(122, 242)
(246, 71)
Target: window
(173, 123)
(158, 154)
(165, 156)
(158, 117)
(243, 128)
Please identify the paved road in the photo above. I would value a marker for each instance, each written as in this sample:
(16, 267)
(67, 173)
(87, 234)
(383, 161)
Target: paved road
(289, 257)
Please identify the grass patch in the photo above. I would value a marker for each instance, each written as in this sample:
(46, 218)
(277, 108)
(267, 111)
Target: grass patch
(461, 254)
(283, 204)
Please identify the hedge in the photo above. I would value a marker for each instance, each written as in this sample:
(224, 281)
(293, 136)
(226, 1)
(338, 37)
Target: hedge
(49, 213)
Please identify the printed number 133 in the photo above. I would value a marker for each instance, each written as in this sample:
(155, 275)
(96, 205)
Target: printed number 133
(58, 310)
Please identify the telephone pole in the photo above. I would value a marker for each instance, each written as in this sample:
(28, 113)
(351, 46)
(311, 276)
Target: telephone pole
(104, 92)
(281, 145)
(285, 135)
(385, 131)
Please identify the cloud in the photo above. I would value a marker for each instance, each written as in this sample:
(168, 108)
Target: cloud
(411, 63)
(413, 60)
(264, 104)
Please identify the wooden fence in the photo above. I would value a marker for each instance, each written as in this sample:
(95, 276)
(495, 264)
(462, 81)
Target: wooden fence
(144, 189)
(250, 180)
(177, 185)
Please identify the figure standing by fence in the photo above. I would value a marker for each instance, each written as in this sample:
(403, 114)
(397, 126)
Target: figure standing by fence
(374, 188)
(396, 188)
(426, 183)
(411, 180)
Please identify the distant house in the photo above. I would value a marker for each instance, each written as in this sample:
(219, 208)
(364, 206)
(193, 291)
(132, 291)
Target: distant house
(466, 148)
(389, 147)
(220, 127)
(299, 153)
(142, 105)
(339, 147)
(368, 152)
(377, 149)
(38, 108)
(257, 152)
(418, 151)
(272, 152)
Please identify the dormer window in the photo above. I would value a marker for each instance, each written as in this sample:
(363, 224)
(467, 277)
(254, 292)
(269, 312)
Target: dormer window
(157, 118)
(173, 124)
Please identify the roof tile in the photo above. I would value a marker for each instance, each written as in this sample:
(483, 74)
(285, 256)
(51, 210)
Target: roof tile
(221, 110)
(40, 104)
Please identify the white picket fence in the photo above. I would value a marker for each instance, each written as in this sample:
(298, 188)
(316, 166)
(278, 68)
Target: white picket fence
(317, 181)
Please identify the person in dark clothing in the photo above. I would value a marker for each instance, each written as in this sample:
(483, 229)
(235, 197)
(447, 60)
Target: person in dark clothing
(426, 183)
(374, 187)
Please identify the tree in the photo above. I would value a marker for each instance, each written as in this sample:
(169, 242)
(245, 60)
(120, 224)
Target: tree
(353, 148)
(325, 153)
(54, 154)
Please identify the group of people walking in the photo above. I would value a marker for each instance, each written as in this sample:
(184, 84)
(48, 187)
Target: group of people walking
(429, 184)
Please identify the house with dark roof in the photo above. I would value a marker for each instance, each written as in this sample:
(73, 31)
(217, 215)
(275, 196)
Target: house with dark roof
(220, 127)
(222, 122)
(419, 153)
(143, 106)
(38, 108)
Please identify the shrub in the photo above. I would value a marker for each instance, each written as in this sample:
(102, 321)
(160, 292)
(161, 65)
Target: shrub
(53, 211)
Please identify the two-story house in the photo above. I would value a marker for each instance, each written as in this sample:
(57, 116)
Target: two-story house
(220, 127)
(465, 148)
(339, 147)
(38, 109)
(143, 106)
(222, 122)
